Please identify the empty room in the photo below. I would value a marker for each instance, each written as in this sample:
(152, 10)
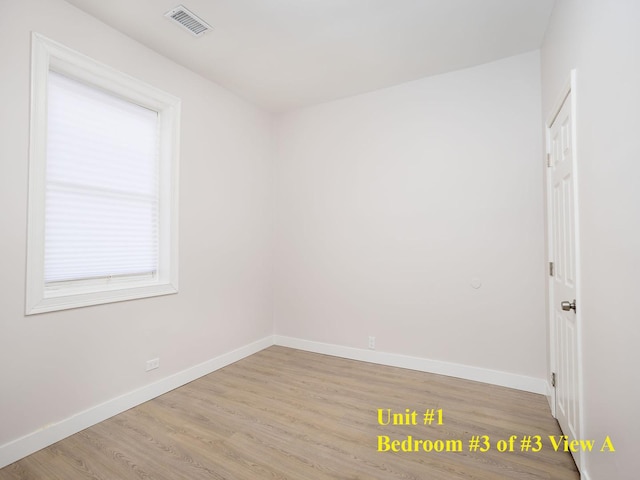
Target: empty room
(319, 239)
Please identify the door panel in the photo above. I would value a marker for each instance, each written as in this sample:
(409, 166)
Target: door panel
(563, 284)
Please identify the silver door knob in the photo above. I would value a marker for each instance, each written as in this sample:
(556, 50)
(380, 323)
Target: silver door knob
(566, 306)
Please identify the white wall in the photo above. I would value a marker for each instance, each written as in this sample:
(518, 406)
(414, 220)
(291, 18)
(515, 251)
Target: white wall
(600, 39)
(55, 365)
(390, 203)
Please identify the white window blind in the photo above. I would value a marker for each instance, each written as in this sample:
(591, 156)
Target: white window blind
(102, 194)
(103, 184)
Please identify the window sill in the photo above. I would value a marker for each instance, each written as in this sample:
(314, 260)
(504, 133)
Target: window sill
(69, 300)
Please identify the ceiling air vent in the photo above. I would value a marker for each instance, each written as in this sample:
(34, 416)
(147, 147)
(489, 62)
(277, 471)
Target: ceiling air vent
(188, 20)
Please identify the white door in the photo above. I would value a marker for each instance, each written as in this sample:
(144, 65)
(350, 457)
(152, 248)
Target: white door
(563, 250)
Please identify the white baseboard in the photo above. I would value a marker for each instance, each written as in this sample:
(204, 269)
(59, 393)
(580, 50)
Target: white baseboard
(494, 377)
(550, 394)
(21, 447)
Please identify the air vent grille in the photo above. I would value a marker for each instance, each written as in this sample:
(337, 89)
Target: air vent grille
(188, 20)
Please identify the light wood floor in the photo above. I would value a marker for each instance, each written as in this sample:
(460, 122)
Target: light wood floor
(288, 414)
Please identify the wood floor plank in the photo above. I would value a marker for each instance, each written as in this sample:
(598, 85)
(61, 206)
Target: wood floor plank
(287, 414)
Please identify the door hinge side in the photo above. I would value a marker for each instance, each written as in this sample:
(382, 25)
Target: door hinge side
(548, 159)
(551, 269)
(553, 379)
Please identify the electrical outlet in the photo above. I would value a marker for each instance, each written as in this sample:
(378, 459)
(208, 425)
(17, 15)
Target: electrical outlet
(153, 364)
(372, 343)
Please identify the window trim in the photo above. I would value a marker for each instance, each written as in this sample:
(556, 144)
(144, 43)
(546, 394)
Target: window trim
(50, 55)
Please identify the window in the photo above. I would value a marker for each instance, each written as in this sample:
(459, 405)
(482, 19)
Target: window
(102, 184)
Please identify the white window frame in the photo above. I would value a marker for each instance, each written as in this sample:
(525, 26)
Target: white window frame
(49, 55)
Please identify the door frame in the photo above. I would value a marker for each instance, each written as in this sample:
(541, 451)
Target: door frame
(568, 92)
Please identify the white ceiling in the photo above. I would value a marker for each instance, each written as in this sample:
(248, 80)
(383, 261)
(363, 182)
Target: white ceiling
(284, 54)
